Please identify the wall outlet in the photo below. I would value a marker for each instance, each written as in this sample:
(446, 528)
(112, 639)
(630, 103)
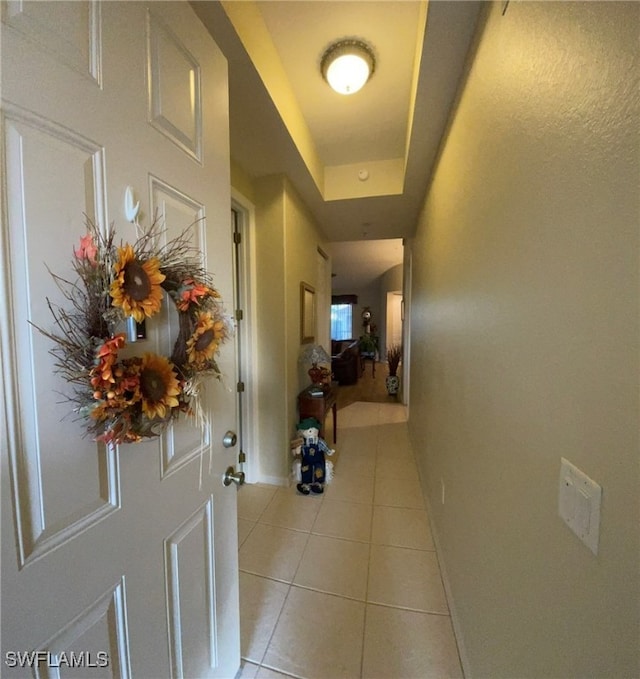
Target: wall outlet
(579, 500)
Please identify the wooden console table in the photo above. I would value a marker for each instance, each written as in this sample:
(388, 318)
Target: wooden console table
(364, 357)
(318, 407)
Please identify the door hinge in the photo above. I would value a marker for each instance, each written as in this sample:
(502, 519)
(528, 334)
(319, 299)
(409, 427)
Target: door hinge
(237, 237)
(239, 314)
(240, 387)
(242, 457)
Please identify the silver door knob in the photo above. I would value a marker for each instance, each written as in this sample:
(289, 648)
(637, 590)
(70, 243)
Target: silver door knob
(232, 476)
(229, 439)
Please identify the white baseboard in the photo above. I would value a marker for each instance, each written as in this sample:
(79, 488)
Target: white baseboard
(455, 621)
(271, 480)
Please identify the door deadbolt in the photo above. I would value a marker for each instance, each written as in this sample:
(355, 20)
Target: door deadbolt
(232, 476)
(229, 439)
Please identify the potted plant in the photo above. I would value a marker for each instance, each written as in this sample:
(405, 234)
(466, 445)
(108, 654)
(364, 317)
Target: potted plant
(367, 345)
(394, 355)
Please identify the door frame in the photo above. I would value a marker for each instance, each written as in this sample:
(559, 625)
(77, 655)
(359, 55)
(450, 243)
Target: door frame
(246, 298)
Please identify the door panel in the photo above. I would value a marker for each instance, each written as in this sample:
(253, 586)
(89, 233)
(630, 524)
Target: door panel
(70, 34)
(191, 594)
(101, 626)
(129, 550)
(50, 506)
(182, 441)
(175, 104)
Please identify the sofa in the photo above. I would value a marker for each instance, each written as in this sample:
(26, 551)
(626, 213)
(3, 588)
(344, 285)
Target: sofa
(345, 361)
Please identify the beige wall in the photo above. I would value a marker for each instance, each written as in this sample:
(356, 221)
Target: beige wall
(390, 281)
(241, 182)
(286, 240)
(271, 327)
(302, 240)
(525, 341)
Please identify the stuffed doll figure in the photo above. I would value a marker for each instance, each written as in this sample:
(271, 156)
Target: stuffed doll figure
(311, 469)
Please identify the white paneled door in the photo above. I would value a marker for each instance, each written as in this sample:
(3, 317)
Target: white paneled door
(116, 561)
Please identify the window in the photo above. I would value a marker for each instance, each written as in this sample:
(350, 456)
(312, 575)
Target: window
(341, 321)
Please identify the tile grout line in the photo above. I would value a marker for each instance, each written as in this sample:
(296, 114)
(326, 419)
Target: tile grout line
(438, 561)
(256, 522)
(246, 537)
(366, 603)
(366, 592)
(420, 611)
(284, 603)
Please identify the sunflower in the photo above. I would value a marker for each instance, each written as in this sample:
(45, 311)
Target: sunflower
(159, 386)
(205, 339)
(136, 287)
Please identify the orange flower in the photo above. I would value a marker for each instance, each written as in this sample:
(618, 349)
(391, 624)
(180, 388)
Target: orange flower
(205, 339)
(190, 291)
(119, 433)
(87, 249)
(102, 376)
(159, 386)
(136, 287)
(111, 346)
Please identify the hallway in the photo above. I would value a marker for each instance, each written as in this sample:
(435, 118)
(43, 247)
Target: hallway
(346, 584)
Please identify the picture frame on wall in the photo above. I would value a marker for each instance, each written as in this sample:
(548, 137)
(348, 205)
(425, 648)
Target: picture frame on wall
(307, 313)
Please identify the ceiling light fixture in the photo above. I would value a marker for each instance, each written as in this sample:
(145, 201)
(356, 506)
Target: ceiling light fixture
(347, 65)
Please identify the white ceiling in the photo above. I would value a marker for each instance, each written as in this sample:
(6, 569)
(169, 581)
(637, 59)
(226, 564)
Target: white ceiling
(371, 124)
(285, 119)
(357, 264)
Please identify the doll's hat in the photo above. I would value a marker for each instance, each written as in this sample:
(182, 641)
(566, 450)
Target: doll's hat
(308, 423)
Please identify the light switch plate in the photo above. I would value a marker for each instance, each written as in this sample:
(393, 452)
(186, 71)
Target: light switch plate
(579, 501)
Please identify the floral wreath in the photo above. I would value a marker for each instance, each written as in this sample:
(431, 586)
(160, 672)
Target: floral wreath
(126, 400)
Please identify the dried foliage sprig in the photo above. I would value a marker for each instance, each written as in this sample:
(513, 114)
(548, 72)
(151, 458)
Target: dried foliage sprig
(394, 356)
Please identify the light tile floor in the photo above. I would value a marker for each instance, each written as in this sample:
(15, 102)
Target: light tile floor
(346, 584)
